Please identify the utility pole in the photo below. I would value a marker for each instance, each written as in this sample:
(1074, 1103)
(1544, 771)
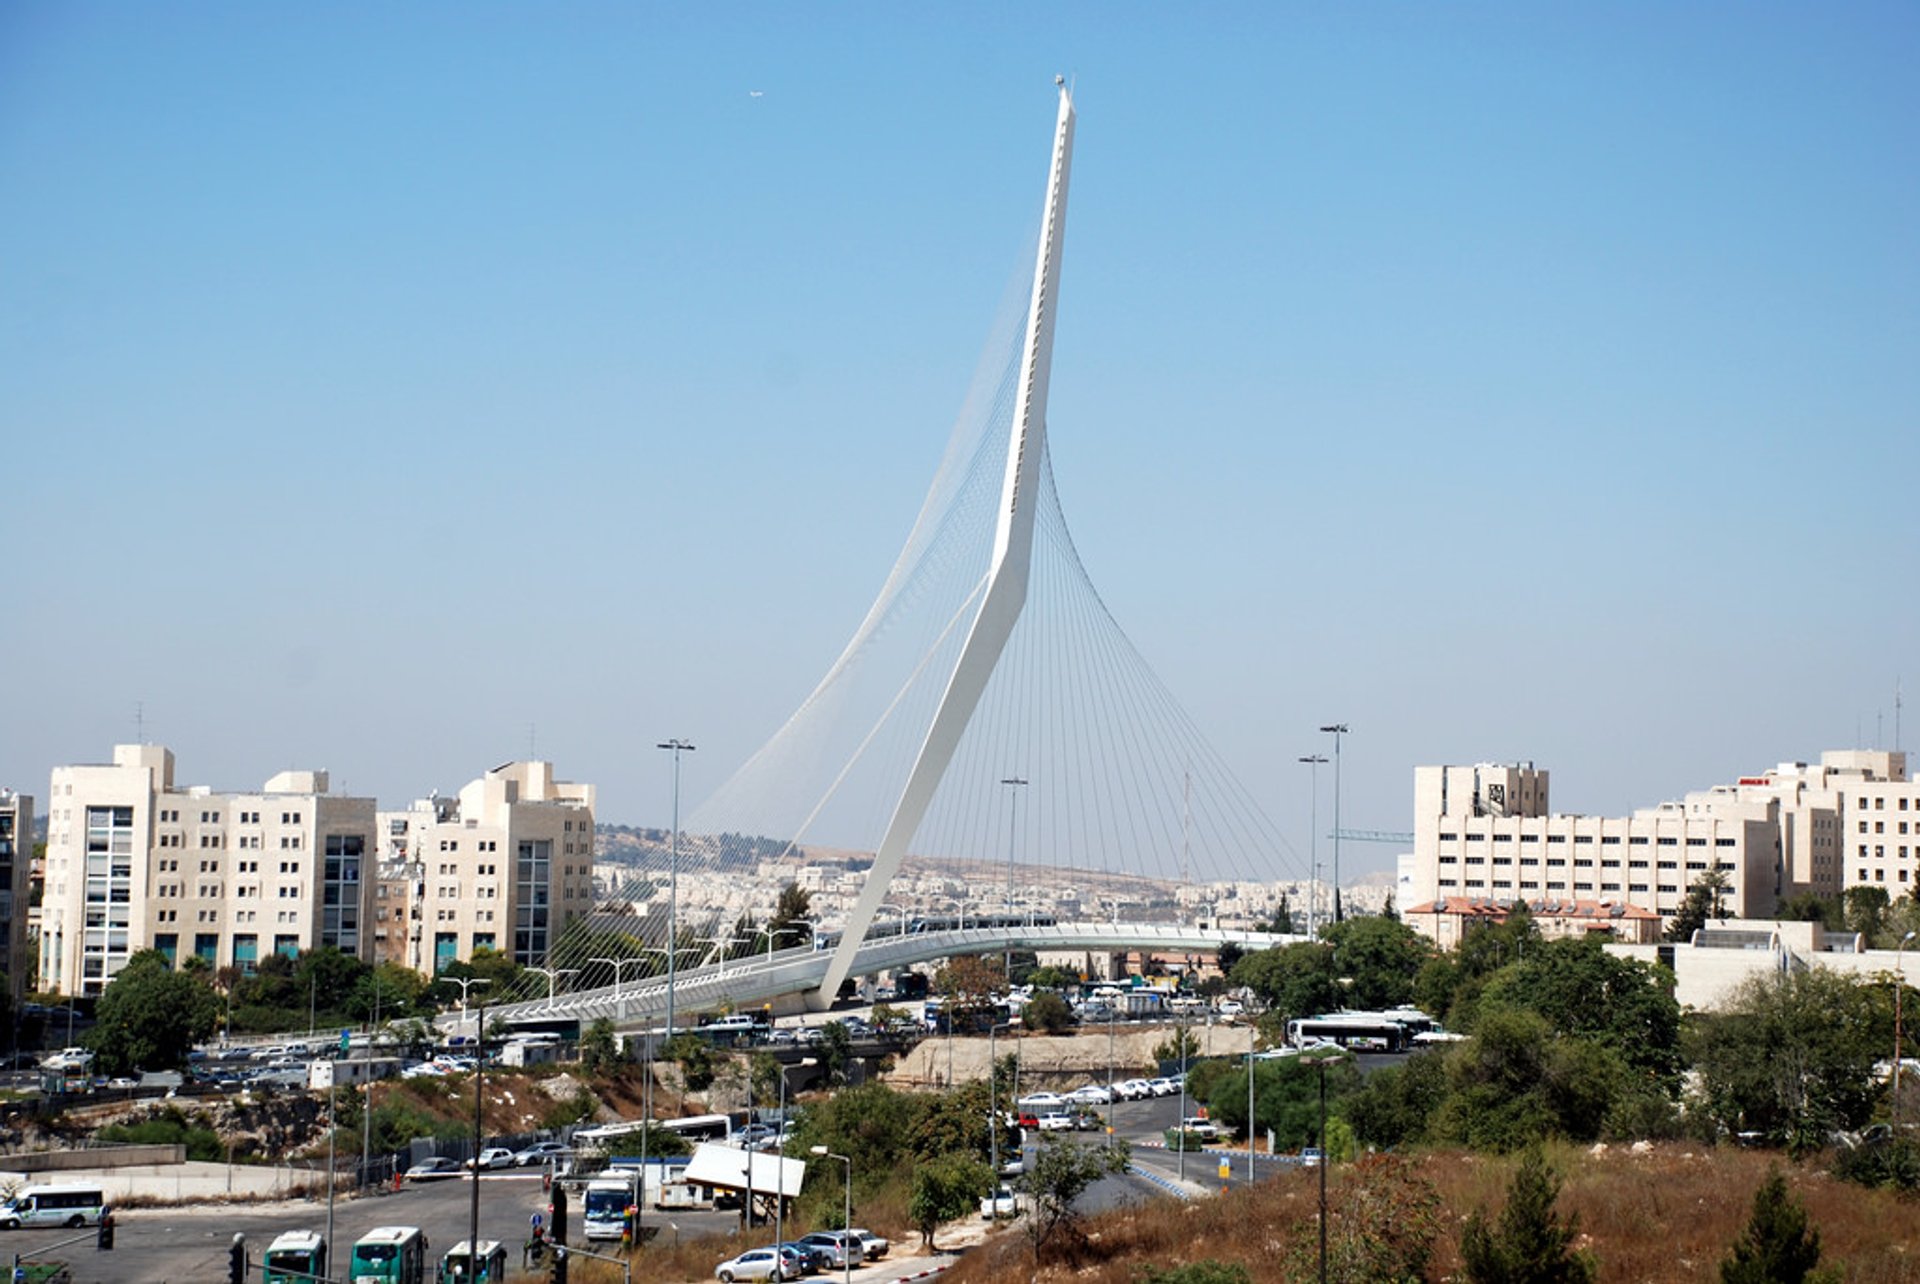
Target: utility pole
(1313, 760)
(1016, 783)
(1338, 729)
(479, 1080)
(676, 747)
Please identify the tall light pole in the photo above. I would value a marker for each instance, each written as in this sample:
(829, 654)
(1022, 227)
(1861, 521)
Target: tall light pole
(466, 983)
(553, 975)
(993, 1100)
(1253, 1039)
(1899, 991)
(1109, 1076)
(619, 966)
(1313, 760)
(846, 1211)
(1337, 729)
(479, 1081)
(1185, 1036)
(1014, 785)
(676, 747)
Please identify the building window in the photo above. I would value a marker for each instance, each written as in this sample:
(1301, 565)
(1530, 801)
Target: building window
(340, 892)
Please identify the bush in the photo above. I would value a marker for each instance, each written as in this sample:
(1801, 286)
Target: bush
(1777, 1247)
(169, 1129)
(1207, 1272)
(1529, 1244)
(1894, 1162)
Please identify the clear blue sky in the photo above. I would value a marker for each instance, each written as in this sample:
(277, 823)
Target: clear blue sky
(1513, 382)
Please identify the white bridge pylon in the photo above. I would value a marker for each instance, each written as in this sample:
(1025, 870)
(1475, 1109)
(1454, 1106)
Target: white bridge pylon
(1005, 591)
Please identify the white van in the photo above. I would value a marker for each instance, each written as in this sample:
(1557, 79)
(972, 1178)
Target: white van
(53, 1206)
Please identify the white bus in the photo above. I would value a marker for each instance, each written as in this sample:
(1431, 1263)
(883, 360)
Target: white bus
(53, 1206)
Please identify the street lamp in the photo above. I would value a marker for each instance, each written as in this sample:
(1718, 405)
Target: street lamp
(466, 983)
(1185, 1037)
(553, 975)
(846, 1210)
(1313, 760)
(479, 1082)
(1015, 785)
(1337, 729)
(993, 1099)
(1899, 992)
(790, 929)
(676, 747)
(619, 966)
(1109, 1075)
(1319, 1061)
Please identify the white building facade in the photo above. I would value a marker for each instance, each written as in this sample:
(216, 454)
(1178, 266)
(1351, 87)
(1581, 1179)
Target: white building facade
(1487, 832)
(135, 862)
(16, 865)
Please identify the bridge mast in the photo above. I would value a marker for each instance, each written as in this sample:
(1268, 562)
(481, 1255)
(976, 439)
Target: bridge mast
(1006, 587)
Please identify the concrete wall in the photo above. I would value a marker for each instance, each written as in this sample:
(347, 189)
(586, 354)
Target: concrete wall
(54, 1161)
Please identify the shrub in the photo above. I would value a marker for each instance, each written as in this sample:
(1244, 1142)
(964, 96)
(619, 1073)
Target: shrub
(1529, 1244)
(1894, 1162)
(1207, 1272)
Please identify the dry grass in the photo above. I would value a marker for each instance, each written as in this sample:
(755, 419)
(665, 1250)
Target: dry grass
(1666, 1215)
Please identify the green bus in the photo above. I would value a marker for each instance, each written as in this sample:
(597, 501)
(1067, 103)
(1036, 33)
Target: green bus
(389, 1255)
(296, 1257)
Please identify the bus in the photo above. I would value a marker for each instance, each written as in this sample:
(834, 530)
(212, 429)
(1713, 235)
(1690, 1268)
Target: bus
(1355, 1031)
(699, 1128)
(459, 1267)
(389, 1255)
(295, 1257)
(604, 1207)
(74, 1205)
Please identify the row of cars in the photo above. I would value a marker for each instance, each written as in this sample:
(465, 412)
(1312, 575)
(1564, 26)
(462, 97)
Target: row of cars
(539, 1154)
(808, 1255)
(1099, 1094)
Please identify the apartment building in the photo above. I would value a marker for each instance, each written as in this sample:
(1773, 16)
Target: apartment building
(135, 862)
(504, 865)
(16, 863)
(1487, 833)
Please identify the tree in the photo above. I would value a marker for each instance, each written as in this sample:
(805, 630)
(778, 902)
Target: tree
(955, 1122)
(1703, 902)
(969, 985)
(1059, 1174)
(1181, 1045)
(600, 1047)
(150, 1016)
(1229, 954)
(792, 921)
(1777, 1246)
(1812, 907)
(1298, 980)
(1394, 1106)
(1623, 1005)
(1376, 959)
(1286, 1098)
(1382, 1231)
(1866, 911)
(944, 1189)
(1052, 978)
(1791, 1056)
(1529, 1244)
(1516, 1082)
(836, 1051)
(1048, 1013)
(694, 1056)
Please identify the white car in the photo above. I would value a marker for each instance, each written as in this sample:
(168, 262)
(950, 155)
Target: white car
(493, 1157)
(784, 1262)
(1205, 1129)
(1166, 1086)
(540, 1152)
(1135, 1090)
(1001, 1203)
(876, 1245)
(1093, 1094)
(1056, 1121)
(1038, 1101)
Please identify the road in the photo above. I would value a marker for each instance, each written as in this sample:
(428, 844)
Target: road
(189, 1245)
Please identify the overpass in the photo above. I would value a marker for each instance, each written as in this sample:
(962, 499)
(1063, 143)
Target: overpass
(782, 977)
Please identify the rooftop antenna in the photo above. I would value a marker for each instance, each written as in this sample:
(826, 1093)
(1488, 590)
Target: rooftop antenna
(139, 722)
(1896, 715)
(533, 742)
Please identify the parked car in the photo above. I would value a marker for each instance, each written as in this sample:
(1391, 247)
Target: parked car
(1093, 1094)
(872, 1245)
(540, 1152)
(810, 1261)
(770, 1263)
(1056, 1121)
(1041, 1101)
(1201, 1127)
(1001, 1203)
(1134, 1090)
(1166, 1086)
(833, 1248)
(493, 1157)
(439, 1168)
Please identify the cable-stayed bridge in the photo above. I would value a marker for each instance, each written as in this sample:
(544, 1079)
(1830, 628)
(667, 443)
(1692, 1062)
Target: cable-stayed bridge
(988, 705)
(769, 978)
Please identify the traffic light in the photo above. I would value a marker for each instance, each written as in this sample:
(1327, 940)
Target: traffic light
(237, 1260)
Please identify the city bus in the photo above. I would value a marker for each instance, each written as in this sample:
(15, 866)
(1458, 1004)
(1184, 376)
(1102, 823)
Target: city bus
(459, 1267)
(1354, 1031)
(699, 1128)
(295, 1257)
(604, 1207)
(389, 1255)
